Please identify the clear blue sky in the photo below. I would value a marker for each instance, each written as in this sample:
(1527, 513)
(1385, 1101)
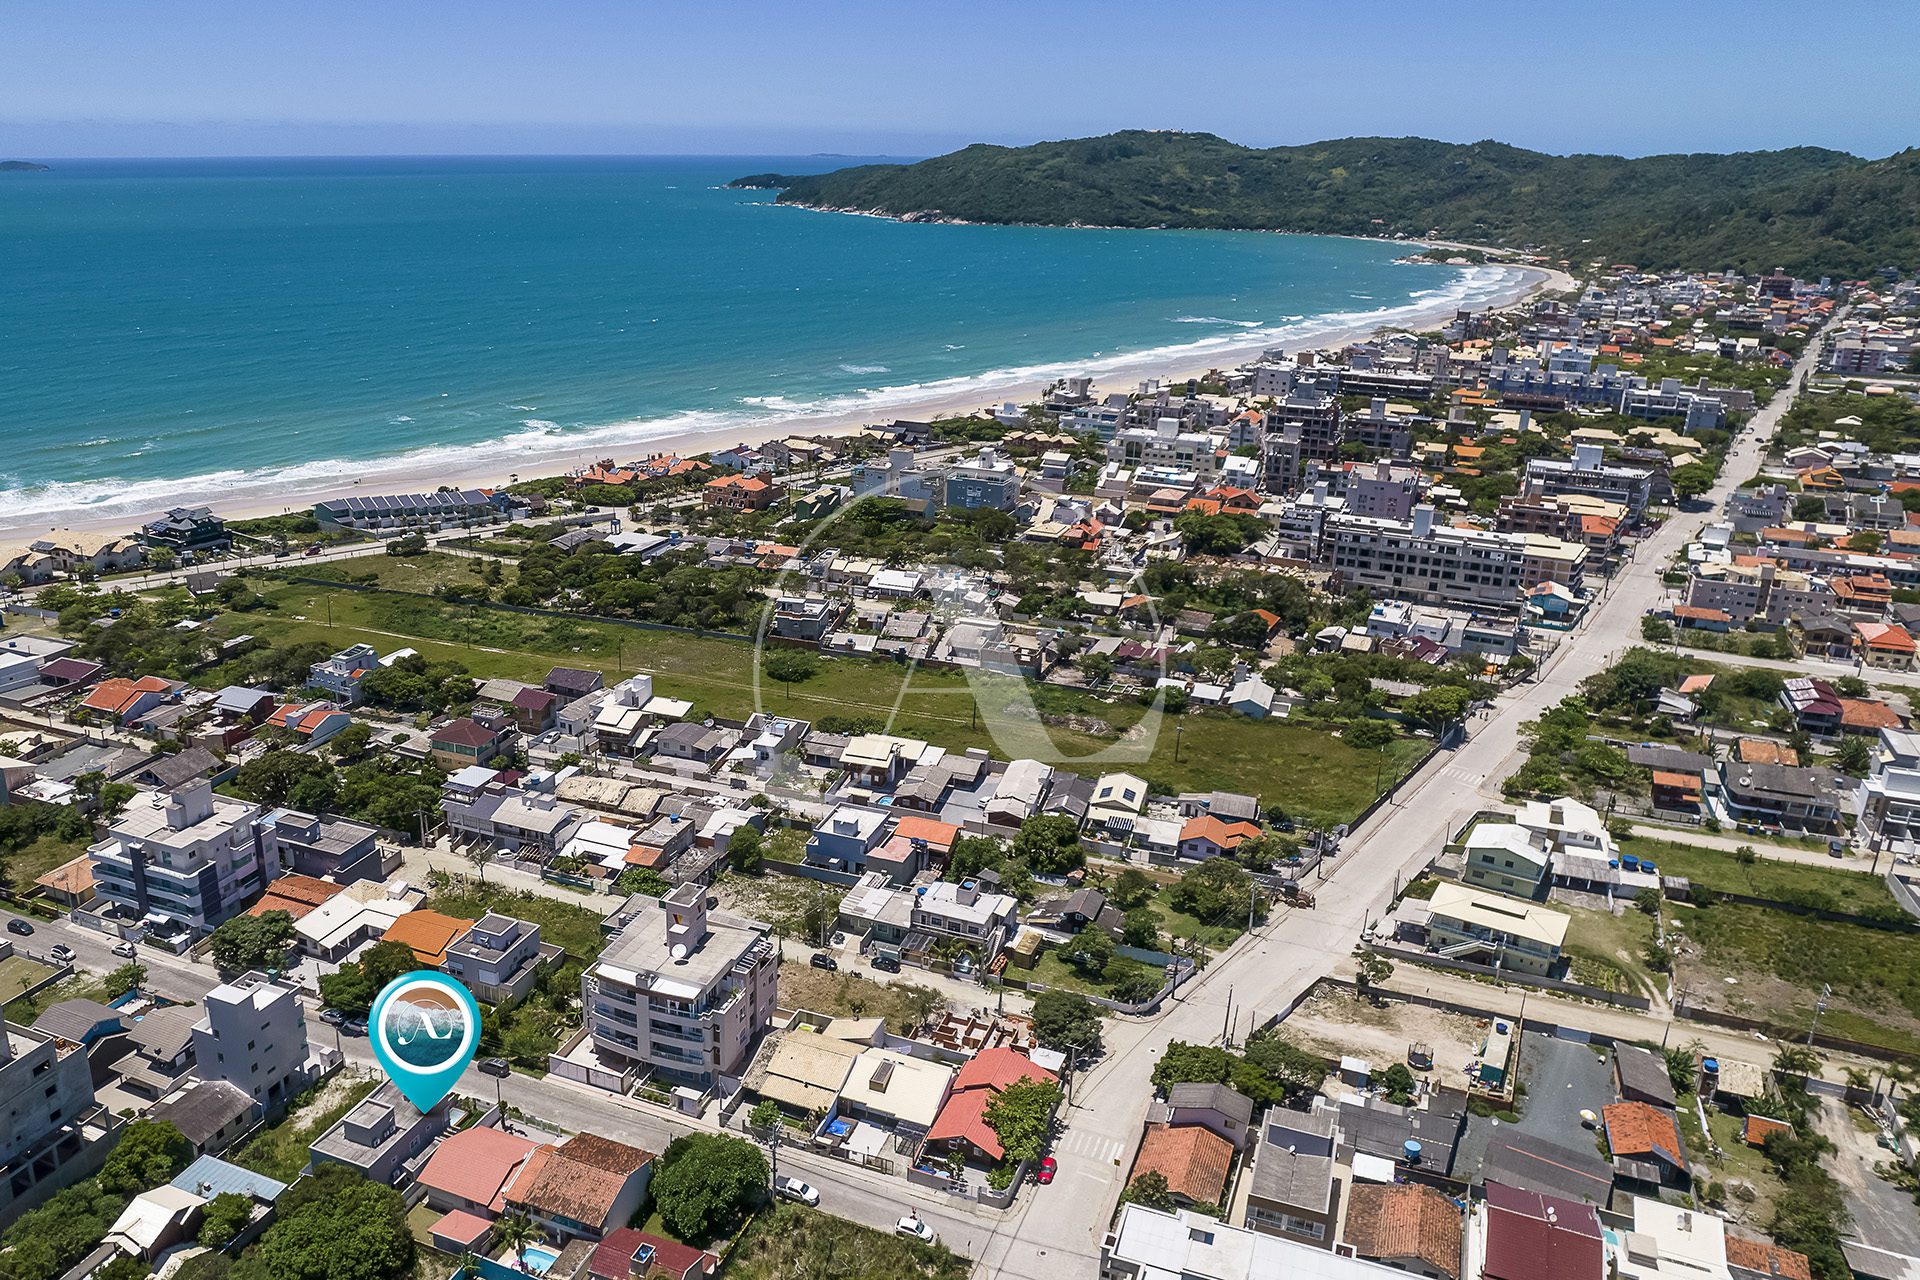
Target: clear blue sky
(272, 77)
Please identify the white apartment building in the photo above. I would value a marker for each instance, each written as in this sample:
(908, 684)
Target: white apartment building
(253, 1035)
(1166, 446)
(1588, 472)
(1425, 561)
(189, 859)
(1764, 592)
(679, 991)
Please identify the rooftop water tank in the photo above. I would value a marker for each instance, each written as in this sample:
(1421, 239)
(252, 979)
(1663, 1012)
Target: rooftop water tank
(1412, 1150)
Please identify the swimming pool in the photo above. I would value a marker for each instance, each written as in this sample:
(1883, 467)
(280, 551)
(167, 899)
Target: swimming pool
(539, 1258)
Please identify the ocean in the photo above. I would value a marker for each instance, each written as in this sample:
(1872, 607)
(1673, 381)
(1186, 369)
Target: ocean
(184, 329)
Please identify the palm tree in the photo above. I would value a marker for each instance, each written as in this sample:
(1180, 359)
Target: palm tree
(517, 1231)
(468, 1265)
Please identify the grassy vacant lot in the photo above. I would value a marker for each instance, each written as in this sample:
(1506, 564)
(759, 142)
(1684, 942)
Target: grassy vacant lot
(29, 863)
(845, 994)
(575, 928)
(1779, 962)
(1051, 971)
(1180, 925)
(280, 1151)
(789, 1241)
(17, 973)
(1829, 889)
(1305, 770)
(1606, 950)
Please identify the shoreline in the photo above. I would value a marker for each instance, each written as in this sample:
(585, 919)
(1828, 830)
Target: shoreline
(495, 463)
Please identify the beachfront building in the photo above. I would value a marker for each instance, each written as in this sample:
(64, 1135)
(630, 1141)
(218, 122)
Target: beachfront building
(988, 481)
(741, 493)
(681, 992)
(400, 512)
(182, 860)
(187, 529)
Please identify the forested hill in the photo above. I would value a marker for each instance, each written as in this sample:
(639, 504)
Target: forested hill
(1812, 211)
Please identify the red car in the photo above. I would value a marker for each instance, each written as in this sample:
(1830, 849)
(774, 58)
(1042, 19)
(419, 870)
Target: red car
(1046, 1171)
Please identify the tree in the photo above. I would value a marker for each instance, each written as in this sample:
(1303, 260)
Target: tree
(1091, 951)
(1657, 630)
(1681, 1068)
(337, 1225)
(1021, 1116)
(1150, 1189)
(1370, 972)
(1096, 667)
(1183, 1063)
(253, 942)
(1438, 707)
(43, 1243)
(1648, 900)
(1397, 1082)
(271, 778)
(1214, 892)
(358, 983)
(1854, 757)
(1691, 479)
(1141, 928)
(643, 880)
(130, 976)
(789, 666)
(517, 1232)
(351, 741)
(743, 848)
(1367, 734)
(149, 1153)
(113, 798)
(705, 1182)
(1288, 1068)
(765, 1114)
(123, 1266)
(227, 1216)
(1131, 889)
(1050, 843)
(1066, 1021)
(921, 1002)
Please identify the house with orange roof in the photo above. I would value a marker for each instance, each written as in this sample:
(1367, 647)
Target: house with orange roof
(472, 1169)
(1821, 479)
(429, 933)
(295, 894)
(1885, 644)
(123, 701)
(1193, 1159)
(1206, 836)
(312, 722)
(1758, 1128)
(741, 493)
(70, 884)
(961, 1124)
(1749, 1259)
(1645, 1143)
(583, 1188)
(1865, 715)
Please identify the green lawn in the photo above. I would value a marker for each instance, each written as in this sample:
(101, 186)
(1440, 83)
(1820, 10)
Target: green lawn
(788, 1240)
(1179, 924)
(1606, 950)
(30, 862)
(575, 928)
(1780, 962)
(1302, 769)
(17, 973)
(1051, 971)
(1825, 888)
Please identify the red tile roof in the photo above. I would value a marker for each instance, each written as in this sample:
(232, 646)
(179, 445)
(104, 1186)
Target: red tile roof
(294, 894)
(1405, 1221)
(938, 835)
(1539, 1237)
(464, 732)
(1758, 1127)
(999, 1067)
(1641, 1129)
(475, 1164)
(1767, 1258)
(613, 1257)
(1193, 1160)
(1227, 835)
(964, 1117)
(462, 1228)
(1864, 713)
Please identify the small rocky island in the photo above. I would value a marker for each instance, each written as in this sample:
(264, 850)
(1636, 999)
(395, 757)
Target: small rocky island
(21, 166)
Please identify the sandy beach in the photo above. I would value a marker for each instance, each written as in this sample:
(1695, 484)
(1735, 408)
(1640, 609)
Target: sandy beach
(498, 463)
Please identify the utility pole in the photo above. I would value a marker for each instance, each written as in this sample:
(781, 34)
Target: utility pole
(1819, 1007)
(1226, 1027)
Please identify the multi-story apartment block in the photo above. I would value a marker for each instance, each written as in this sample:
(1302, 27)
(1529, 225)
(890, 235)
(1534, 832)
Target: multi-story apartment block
(188, 857)
(341, 674)
(1428, 562)
(989, 481)
(1166, 446)
(1382, 491)
(253, 1035)
(499, 958)
(680, 991)
(1758, 592)
(51, 1133)
(1888, 800)
(1381, 427)
(1589, 472)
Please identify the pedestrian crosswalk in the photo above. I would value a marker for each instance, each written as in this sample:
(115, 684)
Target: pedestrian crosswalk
(1090, 1146)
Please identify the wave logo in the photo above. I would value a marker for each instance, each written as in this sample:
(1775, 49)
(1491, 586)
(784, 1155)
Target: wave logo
(425, 1028)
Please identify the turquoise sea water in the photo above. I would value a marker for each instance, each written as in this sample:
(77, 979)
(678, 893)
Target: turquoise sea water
(186, 328)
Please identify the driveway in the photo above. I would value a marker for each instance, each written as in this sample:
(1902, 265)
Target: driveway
(1882, 1213)
(1562, 1079)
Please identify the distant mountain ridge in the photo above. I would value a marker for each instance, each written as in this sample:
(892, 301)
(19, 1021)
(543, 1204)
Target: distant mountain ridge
(1808, 209)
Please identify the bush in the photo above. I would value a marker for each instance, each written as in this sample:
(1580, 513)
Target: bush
(706, 1182)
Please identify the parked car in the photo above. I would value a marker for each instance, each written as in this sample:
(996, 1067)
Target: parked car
(794, 1189)
(123, 948)
(821, 960)
(332, 1017)
(495, 1067)
(355, 1026)
(963, 966)
(885, 963)
(1044, 1174)
(911, 1225)
(62, 952)
(19, 926)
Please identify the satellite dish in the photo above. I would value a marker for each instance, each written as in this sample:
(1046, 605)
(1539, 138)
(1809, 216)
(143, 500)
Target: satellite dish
(679, 953)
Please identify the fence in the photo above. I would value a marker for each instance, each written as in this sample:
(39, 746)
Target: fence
(825, 875)
(1516, 978)
(1904, 894)
(559, 1064)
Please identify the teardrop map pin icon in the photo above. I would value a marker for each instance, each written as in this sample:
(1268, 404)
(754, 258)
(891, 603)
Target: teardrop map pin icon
(425, 1027)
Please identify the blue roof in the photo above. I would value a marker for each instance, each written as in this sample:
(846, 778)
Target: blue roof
(209, 1176)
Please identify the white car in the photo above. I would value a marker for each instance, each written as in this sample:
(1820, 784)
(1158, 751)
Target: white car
(62, 952)
(794, 1189)
(123, 948)
(911, 1225)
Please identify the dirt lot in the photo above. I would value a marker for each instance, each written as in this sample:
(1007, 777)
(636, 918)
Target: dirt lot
(1882, 1213)
(1335, 1023)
